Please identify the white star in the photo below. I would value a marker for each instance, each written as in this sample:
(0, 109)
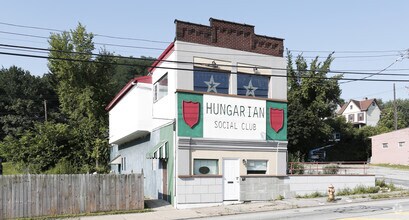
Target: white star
(211, 85)
(250, 89)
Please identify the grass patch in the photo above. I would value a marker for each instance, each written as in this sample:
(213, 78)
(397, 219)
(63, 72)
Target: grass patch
(394, 166)
(312, 195)
(89, 214)
(10, 169)
(358, 190)
(386, 186)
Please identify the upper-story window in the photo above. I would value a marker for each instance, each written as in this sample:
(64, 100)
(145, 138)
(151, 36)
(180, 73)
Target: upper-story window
(160, 88)
(351, 117)
(350, 107)
(401, 144)
(384, 145)
(211, 75)
(360, 116)
(252, 85)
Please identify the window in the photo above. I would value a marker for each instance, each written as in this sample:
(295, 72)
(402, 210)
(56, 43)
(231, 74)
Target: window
(350, 107)
(123, 163)
(160, 88)
(205, 167)
(351, 117)
(252, 85)
(209, 80)
(256, 166)
(401, 144)
(384, 145)
(360, 116)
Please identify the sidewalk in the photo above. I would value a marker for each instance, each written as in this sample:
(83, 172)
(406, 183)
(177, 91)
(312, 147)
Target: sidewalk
(162, 210)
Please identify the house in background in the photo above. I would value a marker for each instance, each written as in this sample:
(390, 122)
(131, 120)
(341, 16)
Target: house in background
(391, 147)
(361, 113)
(209, 123)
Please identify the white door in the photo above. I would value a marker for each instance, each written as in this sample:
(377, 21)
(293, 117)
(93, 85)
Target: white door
(231, 179)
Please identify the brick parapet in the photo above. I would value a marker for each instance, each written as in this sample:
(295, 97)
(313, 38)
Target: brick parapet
(231, 35)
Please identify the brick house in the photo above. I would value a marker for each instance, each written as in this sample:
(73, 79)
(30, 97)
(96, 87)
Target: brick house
(361, 113)
(391, 147)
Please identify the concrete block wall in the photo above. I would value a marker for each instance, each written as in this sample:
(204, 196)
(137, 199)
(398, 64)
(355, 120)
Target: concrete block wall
(262, 188)
(199, 190)
(302, 185)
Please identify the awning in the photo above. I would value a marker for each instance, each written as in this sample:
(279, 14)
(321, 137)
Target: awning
(160, 151)
(117, 160)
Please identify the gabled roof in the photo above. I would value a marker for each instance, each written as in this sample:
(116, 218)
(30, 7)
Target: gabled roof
(362, 105)
(127, 87)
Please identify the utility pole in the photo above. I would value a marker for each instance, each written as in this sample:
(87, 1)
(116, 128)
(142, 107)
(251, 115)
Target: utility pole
(45, 110)
(395, 108)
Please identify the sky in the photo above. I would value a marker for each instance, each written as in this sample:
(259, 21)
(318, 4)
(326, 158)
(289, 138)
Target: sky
(366, 35)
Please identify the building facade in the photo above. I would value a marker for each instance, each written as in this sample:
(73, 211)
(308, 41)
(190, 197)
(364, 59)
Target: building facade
(361, 113)
(209, 123)
(391, 147)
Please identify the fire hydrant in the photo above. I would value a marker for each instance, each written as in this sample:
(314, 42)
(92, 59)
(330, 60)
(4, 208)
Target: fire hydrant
(331, 193)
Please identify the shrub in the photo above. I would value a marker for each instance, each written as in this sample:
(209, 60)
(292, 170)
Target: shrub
(331, 169)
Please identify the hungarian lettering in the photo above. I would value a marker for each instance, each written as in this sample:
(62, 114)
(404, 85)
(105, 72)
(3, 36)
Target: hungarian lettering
(235, 110)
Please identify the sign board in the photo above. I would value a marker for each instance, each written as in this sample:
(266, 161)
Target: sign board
(223, 117)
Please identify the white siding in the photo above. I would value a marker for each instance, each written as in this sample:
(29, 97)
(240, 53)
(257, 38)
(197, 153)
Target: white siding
(373, 115)
(132, 113)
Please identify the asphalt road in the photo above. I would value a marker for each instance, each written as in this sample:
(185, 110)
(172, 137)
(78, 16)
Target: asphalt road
(389, 209)
(395, 176)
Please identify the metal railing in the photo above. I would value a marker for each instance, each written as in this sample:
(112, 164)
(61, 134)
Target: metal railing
(329, 168)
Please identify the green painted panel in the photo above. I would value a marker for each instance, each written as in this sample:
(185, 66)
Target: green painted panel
(167, 134)
(281, 135)
(185, 130)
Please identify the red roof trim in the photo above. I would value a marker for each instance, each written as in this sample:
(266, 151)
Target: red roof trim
(126, 88)
(163, 56)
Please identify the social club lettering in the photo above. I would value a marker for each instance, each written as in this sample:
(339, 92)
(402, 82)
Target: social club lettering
(240, 111)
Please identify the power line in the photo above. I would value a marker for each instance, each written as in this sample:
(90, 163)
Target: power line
(97, 35)
(190, 51)
(167, 42)
(348, 51)
(187, 69)
(378, 73)
(44, 50)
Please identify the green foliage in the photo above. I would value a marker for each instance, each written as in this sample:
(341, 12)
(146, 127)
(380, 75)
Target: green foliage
(312, 195)
(394, 166)
(294, 165)
(331, 169)
(10, 169)
(84, 89)
(386, 123)
(21, 100)
(360, 189)
(132, 69)
(312, 97)
(38, 151)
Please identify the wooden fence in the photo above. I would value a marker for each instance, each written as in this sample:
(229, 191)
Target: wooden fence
(50, 195)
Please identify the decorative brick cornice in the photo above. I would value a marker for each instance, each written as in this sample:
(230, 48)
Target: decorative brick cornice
(231, 35)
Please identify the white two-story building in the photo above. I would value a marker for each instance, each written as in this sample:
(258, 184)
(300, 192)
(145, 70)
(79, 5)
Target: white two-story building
(361, 113)
(209, 122)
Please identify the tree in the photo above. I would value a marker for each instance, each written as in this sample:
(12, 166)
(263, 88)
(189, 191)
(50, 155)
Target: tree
(312, 98)
(22, 100)
(387, 116)
(84, 88)
(131, 69)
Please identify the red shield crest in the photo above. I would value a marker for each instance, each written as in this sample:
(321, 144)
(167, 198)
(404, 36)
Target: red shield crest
(191, 113)
(276, 119)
